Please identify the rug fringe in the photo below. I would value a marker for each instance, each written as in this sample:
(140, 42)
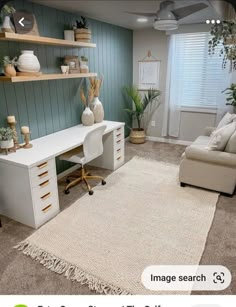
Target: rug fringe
(70, 271)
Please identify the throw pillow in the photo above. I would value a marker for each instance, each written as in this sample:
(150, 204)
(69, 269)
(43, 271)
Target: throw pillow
(231, 145)
(220, 137)
(227, 119)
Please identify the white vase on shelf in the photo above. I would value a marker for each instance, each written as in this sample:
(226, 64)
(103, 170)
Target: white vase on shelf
(7, 25)
(98, 111)
(69, 35)
(87, 117)
(28, 62)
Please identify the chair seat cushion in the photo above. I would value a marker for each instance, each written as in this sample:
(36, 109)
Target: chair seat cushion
(75, 155)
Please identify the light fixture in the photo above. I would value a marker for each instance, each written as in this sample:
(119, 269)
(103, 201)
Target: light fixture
(142, 19)
(165, 25)
(218, 21)
(208, 21)
(213, 21)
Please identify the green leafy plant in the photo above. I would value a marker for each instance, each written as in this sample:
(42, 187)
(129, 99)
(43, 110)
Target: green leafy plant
(221, 34)
(231, 93)
(8, 10)
(6, 134)
(140, 105)
(8, 61)
(84, 58)
(82, 23)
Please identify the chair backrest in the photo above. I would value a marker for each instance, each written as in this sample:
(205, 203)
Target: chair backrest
(93, 145)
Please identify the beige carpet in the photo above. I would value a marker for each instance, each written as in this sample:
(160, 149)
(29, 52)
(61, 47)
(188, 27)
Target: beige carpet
(141, 217)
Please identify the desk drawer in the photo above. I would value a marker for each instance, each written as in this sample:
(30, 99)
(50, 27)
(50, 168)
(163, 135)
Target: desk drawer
(42, 167)
(47, 211)
(43, 177)
(44, 196)
(44, 188)
(119, 134)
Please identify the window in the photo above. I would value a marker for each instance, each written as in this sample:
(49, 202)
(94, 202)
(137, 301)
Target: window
(196, 76)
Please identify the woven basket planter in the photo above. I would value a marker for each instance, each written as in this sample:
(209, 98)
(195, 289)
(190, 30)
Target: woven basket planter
(137, 136)
(83, 35)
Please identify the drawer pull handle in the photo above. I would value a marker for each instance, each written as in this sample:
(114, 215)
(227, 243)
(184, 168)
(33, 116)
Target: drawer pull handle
(40, 166)
(118, 149)
(47, 208)
(46, 196)
(118, 141)
(118, 129)
(118, 158)
(118, 135)
(44, 184)
(43, 175)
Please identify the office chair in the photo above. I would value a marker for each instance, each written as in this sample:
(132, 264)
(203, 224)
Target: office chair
(91, 149)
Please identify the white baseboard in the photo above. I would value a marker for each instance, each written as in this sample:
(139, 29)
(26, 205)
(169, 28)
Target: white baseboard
(68, 171)
(169, 141)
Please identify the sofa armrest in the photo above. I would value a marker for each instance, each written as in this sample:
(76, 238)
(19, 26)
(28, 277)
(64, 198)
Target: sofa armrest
(215, 157)
(208, 131)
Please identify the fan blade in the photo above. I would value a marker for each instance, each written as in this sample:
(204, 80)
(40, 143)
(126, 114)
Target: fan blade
(143, 14)
(188, 10)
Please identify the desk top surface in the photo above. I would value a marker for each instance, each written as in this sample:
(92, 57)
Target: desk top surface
(54, 144)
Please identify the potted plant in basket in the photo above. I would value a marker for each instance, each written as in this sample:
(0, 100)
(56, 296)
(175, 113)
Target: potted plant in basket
(69, 33)
(9, 66)
(141, 111)
(6, 138)
(231, 93)
(82, 33)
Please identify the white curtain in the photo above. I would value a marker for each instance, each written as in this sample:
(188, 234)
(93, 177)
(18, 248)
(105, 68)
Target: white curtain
(172, 106)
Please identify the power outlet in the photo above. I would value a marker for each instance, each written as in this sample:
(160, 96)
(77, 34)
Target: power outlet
(153, 123)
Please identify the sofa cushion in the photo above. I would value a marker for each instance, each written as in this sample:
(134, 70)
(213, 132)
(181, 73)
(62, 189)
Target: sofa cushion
(227, 119)
(220, 137)
(231, 145)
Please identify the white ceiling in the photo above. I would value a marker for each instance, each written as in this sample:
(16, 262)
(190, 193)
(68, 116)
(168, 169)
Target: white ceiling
(114, 12)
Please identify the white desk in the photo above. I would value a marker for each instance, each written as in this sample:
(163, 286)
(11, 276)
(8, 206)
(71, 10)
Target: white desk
(28, 180)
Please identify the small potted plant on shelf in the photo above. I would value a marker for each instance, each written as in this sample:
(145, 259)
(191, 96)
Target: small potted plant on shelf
(141, 110)
(231, 93)
(69, 33)
(5, 20)
(9, 66)
(6, 138)
(84, 68)
(82, 32)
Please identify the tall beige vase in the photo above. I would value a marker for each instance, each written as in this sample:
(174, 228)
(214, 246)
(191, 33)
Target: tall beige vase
(87, 117)
(98, 111)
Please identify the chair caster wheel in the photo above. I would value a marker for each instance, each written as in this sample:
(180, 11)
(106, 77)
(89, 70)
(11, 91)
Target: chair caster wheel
(67, 180)
(103, 182)
(91, 192)
(67, 192)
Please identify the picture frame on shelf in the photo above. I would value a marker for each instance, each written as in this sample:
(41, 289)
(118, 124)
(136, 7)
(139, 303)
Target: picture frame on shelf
(73, 63)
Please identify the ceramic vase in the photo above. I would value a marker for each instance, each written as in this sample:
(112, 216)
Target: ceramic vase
(69, 35)
(7, 26)
(9, 70)
(7, 144)
(98, 111)
(28, 62)
(65, 69)
(87, 117)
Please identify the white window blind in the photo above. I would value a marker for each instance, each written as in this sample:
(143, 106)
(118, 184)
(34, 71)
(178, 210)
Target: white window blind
(196, 77)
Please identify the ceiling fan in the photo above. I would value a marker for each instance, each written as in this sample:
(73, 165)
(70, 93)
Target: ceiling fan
(167, 17)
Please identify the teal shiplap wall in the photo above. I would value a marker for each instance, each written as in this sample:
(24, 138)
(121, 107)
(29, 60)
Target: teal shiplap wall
(50, 106)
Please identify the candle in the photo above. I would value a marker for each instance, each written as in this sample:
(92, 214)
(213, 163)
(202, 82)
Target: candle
(11, 119)
(24, 130)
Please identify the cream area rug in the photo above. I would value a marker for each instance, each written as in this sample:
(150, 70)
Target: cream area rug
(141, 217)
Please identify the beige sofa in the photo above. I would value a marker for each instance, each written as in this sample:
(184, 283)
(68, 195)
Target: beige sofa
(213, 170)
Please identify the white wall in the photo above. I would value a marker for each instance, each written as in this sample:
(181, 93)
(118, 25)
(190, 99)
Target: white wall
(192, 123)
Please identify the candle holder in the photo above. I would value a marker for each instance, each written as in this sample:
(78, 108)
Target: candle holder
(12, 125)
(27, 144)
